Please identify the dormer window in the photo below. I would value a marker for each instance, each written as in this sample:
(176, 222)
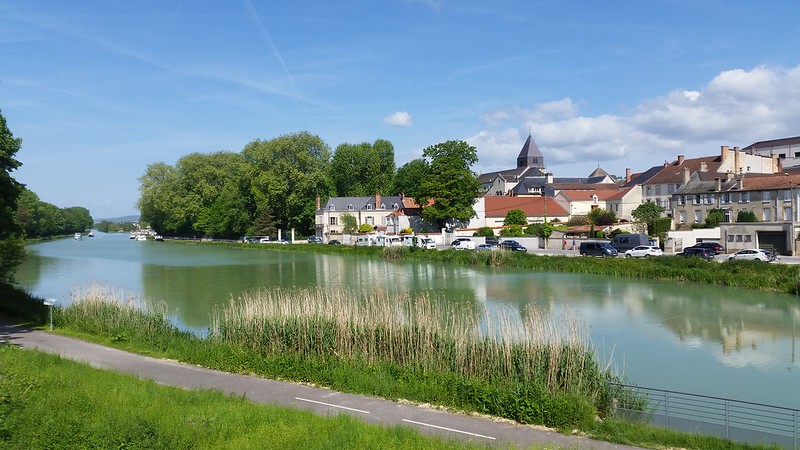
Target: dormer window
(395, 206)
(369, 207)
(350, 207)
(383, 206)
(332, 207)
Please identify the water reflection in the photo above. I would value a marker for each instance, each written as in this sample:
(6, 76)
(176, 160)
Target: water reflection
(730, 342)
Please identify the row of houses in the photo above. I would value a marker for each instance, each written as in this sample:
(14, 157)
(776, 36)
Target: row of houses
(761, 179)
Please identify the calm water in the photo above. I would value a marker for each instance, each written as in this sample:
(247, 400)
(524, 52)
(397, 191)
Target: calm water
(708, 340)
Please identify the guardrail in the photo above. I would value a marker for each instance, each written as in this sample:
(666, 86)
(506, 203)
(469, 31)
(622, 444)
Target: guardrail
(731, 419)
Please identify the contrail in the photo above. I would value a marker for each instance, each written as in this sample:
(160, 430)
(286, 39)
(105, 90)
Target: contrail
(255, 18)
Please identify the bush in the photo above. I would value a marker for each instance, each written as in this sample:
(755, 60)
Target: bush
(366, 228)
(484, 232)
(513, 231)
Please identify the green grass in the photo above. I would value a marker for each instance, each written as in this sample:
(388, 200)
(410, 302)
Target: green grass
(48, 403)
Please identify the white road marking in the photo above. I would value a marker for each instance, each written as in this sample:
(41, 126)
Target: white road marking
(448, 429)
(331, 405)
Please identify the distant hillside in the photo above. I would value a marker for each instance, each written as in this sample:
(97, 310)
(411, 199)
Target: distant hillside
(120, 219)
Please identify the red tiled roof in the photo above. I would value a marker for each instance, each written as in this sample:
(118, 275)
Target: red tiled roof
(673, 172)
(531, 206)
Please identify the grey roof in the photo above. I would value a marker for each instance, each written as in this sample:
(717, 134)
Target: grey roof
(360, 203)
(773, 143)
(530, 155)
(641, 178)
(511, 174)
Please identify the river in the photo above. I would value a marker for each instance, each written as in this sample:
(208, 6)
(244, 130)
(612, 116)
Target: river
(717, 341)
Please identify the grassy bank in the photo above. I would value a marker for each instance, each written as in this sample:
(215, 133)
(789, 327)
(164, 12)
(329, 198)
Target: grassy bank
(47, 402)
(145, 331)
(390, 346)
(747, 274)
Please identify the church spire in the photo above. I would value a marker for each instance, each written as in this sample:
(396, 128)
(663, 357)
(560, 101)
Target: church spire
(530, 155)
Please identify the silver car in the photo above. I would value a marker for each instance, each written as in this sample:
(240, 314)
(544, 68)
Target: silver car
(643, 251)
(752, 254)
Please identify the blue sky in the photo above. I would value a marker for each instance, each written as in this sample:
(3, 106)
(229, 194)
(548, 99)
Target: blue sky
(98, 90)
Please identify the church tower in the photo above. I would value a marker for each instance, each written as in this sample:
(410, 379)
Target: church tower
(530, 155)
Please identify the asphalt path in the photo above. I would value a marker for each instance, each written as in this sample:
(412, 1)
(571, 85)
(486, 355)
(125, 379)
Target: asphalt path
(324, 402)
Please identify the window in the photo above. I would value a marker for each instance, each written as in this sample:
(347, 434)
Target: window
(797, 154)
(369, 207)
(748, 238)
(671, 188)
(683, 216)
(681, 200)
(647, 191)
(730, 238)
(332, 207)
(787, 214)
(698, 216)
(767, 214)
(658, 189)
(350, 207)
(709, 199)
(782, 155)
(370, 220)
(738, 238)
(333, 221)
(383, 206)
(765, 195)
(748, 168)
(395, 206)
(727, 215)
(787, 196)
(726, 198)
(744, 197)
(696, 200)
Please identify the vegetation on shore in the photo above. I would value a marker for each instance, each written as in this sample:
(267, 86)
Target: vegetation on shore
(747, 274)
(145, 329)
(51, 402)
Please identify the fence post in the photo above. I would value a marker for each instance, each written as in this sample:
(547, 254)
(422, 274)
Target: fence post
(796, 429)
(666, 409)
(727, 421)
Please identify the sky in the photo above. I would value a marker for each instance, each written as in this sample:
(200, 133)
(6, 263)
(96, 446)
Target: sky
(98, 90)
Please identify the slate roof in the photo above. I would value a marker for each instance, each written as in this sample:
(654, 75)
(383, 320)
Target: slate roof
(644, 177)
(531, 206)
(510, 174)
(773, 143)
(530, 155)
(673, 172)
(360, 203)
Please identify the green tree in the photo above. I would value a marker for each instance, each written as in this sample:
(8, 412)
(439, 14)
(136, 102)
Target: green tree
(363, 169)
(409, 178)
(264, 225)
(484, 231)
(515, 217)
(388, 167)
(291, 171)
(646, 215)
(366, 228)
(77, 219)
(714, 218)
(541, 230)
(600, 216)
(450, 183)
(512, 231)
(11, 249)
(349, 223)
(28, 213)
(746, 216)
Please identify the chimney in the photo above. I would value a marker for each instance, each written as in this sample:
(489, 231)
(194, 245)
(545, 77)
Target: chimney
(737, 163)
(377, 201)
(724, 151)
(681, 158)
(776, 165)
(628, 175)
(729, 175)
(318, 203)
(718, 181)
(703, 166)
(548, 178)
(685, 175)
(741, 183)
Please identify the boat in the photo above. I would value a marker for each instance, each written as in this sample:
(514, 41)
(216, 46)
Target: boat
(141, 237)
(159, 238)
(78, 237)
(91, 234)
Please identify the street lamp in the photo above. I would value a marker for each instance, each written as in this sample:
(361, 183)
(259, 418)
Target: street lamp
(50, 302)
(791, 207)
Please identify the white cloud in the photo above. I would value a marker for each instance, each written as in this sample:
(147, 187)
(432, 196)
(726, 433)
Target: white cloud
(399, 119)
(735, 108)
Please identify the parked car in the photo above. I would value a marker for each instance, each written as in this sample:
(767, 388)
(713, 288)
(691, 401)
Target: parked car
(334, 242)
(753, 254)
(643, 251)
(492, 241)
(264, 240)
(314, 240)
(592, 248)
(512, 245)
(426, 243)
(486, 247)
(281, 242)
(626, 241)
(699, 252)
(714, 246)
(463, 244)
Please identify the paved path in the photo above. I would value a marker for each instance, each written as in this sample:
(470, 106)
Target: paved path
(320, 401)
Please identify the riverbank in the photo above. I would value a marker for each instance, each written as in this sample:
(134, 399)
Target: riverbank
(746, 274)
(154, 336)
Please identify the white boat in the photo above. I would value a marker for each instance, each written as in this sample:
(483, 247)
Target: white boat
(141, 237)
(78, 237)
(91, 234)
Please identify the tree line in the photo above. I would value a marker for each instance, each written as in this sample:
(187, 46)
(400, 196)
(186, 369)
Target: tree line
(39, 219)
(274, 184)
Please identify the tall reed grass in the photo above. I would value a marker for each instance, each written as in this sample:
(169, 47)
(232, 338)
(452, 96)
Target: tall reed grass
(421, 333)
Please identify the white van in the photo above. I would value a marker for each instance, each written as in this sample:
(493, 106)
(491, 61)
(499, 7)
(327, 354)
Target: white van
(426, 242)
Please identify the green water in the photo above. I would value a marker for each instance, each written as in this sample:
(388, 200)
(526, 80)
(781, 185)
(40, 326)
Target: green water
(708, 340)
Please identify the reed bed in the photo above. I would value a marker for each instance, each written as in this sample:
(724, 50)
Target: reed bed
(419, 333)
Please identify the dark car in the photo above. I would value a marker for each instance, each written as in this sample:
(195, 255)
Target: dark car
(514, 246)
(334, 242)
(699, 252)
(492, 241)
(602, 249)
(314, 240)
(713, 246)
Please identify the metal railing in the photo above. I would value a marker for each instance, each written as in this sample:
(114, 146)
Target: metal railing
(731, 419)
